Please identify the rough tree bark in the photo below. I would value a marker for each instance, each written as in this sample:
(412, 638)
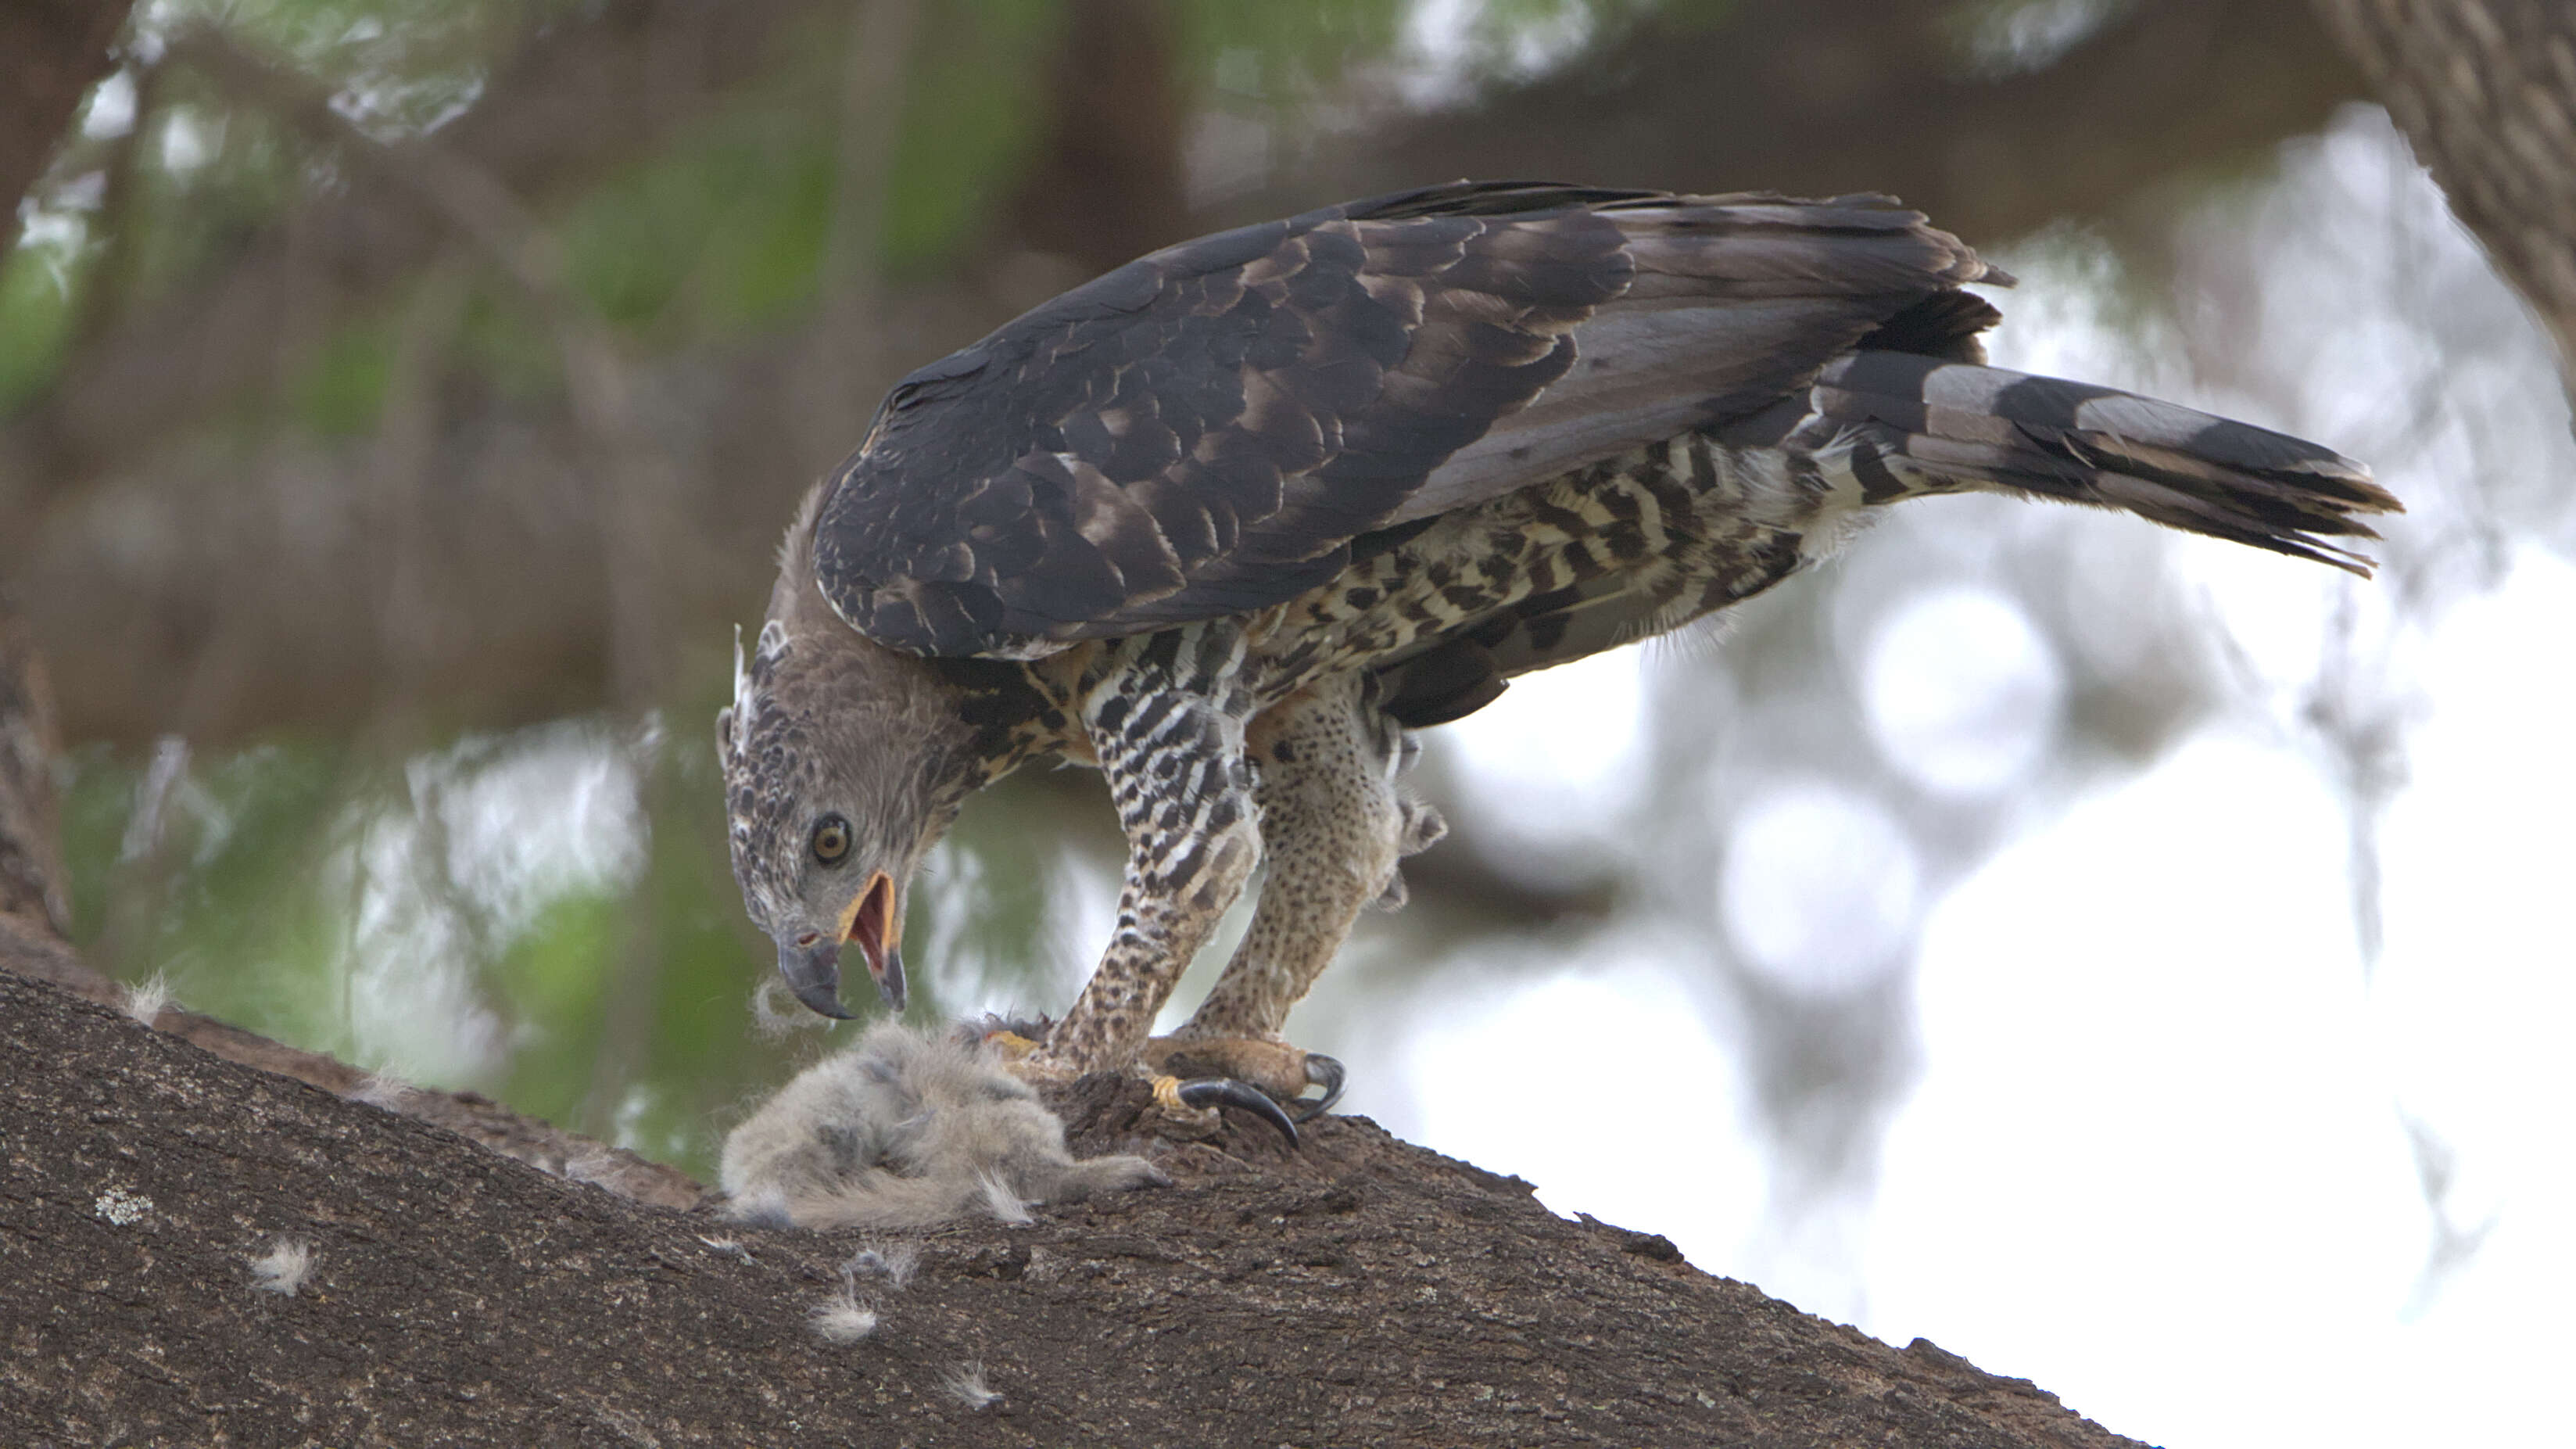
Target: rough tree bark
(2485, 91)
(1358, 1291)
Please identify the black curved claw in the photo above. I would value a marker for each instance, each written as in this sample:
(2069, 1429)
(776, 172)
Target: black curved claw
(1227, 1092)
(1324, 1072)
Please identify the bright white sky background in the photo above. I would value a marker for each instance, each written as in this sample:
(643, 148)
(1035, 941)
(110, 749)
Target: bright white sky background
(2157, 1159)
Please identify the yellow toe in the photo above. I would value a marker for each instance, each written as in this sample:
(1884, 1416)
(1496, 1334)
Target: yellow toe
(1012, 1045)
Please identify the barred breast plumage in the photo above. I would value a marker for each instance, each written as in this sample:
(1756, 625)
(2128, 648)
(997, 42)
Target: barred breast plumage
(1613, 552)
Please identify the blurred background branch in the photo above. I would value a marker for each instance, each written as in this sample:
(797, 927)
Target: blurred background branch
(33, 890)
(2021, 130)
(51, 53)
(2486, 92)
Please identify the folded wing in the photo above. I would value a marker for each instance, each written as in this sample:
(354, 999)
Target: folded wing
(1213, 428)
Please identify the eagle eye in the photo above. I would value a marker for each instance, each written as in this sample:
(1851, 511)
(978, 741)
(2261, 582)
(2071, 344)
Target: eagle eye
(831, 839)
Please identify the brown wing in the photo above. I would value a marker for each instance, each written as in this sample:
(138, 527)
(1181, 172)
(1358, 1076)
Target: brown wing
(1207, 430)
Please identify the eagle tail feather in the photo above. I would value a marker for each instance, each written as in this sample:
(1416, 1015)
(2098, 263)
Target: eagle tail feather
(1905, 424)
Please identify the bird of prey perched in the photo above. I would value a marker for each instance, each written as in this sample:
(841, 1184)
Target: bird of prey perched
(1229, 520)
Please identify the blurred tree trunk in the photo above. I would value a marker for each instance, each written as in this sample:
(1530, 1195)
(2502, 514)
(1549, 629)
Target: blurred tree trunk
(2486, 92)
(32, 890)
(1105, 186)
(51, 53)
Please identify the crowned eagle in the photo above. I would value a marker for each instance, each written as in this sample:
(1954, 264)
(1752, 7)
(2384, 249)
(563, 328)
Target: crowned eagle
(1227, 522)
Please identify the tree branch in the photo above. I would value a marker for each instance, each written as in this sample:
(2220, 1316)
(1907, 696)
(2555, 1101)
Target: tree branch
(2486, 92)
(1825, 96)
(1105, 185)
(51, 53)
(1358, 1291)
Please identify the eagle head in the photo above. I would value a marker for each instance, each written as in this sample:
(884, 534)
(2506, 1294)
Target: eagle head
(844, 762)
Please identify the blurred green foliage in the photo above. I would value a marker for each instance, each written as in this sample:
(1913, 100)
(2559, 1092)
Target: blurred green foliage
(339, 392)
(1287, 54)
(35, 319)
(970, 110)
(315, 895)
(724, 229)
(215, 878)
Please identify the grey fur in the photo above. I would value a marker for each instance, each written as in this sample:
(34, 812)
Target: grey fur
(908, 1130)
(893, 1262)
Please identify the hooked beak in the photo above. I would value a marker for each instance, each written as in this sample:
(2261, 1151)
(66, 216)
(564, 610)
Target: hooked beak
(813, 970)
(814, 974)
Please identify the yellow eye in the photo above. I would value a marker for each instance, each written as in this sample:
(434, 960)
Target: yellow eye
(831, 839)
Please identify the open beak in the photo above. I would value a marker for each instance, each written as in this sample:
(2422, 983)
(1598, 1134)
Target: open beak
(879, 937)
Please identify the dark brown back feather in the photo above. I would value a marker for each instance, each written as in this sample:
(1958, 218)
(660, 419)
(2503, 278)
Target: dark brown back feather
(1207, 430)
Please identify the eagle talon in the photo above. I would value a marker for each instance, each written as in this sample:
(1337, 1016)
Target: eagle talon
(1325, 1072)
(1212, 1092)
(1012, 1046)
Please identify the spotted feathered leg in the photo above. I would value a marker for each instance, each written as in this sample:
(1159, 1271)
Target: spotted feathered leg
(1334, 827)
(1166, 718)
